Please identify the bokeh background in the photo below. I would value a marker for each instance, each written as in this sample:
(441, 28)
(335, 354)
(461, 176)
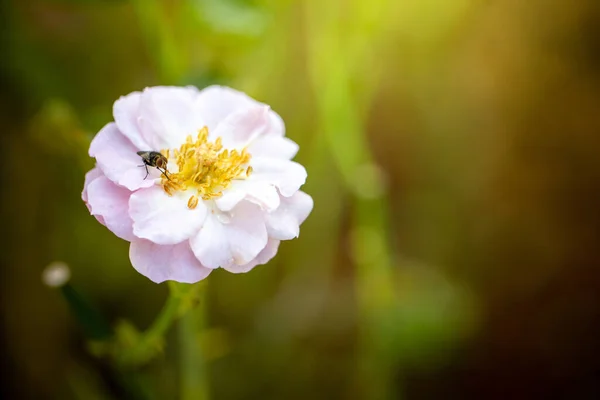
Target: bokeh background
(454, 160)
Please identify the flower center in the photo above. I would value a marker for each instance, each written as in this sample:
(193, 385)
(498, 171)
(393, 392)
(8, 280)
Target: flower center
(205, 167)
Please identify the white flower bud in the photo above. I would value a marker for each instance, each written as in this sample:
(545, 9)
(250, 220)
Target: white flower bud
(56, 274)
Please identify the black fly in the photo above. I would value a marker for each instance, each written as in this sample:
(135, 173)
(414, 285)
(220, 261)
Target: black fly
(154, 159)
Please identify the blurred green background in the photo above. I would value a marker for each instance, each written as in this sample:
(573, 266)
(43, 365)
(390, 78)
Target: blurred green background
(453, 156)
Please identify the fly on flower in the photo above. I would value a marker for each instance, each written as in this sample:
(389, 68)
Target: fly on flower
(231, 193)
(154, 159)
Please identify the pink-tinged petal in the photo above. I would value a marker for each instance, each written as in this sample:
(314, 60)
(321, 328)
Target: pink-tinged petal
(230, 238)
(110, 201)
(262, 194)
(100, 219)
(273, 147)
(242, 127)
(211, 244)
(263, 257)
(284, 223)
(276, 126)
(162, 263)
(89, 178)
(286, 175)
(116, 157)
(164, 219)
(168, 115)
(216, 103)
(126, 112)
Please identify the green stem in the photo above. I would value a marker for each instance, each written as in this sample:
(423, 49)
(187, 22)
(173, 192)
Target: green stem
(192, 364)
(165, 319)
(181, 299)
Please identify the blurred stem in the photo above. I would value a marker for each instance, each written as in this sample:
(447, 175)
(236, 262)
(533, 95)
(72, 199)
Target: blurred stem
(182, 297)
(165, 319)
(192, 364)
(160, 39)
(90, 319)
(339, 34)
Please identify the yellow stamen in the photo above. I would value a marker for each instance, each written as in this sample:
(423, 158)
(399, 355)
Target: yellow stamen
(205, 167)
(192, 202)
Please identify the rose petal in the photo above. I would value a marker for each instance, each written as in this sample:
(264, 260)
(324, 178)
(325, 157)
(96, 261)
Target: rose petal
(89, 178)
(168, 115)
(211, 245)
(126, 112)
(276, 126)
(161, 263)
(242, 127)
(116, 157)
(262, 194)
(216, 103)
(284, 223)
(273, 147)
(232, 238)
(263, 257)
(164, 219)
(110, 201)
(286, 175)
